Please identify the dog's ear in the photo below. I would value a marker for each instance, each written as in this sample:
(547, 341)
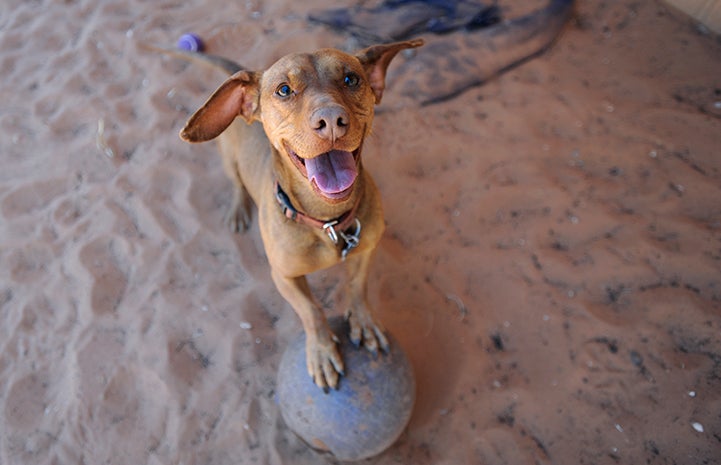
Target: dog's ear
(376, 58)
(237, 96)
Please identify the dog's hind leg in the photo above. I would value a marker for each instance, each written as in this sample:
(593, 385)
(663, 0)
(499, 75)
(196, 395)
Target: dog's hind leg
(238, 215)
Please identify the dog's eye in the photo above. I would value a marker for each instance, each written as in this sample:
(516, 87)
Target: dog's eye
(351, 80)
(283, 90)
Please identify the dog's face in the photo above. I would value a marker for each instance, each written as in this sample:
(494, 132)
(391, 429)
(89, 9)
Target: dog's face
(316, 110)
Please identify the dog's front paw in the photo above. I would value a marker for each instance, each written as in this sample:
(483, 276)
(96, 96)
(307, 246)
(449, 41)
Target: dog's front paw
(364, 330)
(325, 364)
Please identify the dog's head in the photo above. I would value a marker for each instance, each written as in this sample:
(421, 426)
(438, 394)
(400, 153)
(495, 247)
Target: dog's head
(316, 109)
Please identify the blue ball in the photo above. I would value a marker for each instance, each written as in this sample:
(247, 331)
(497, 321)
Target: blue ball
(365, 415)
(190, 42)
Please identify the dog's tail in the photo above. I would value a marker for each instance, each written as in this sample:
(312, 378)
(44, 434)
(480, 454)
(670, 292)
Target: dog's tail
(218, 62)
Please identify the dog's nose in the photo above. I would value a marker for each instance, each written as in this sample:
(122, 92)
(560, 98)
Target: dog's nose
(330, 122)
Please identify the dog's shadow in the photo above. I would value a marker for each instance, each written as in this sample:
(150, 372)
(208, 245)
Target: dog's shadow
(425, 321)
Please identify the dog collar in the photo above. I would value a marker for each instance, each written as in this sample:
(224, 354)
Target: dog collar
(335, 228)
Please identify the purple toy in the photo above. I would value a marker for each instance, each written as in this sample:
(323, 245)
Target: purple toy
(191, 43)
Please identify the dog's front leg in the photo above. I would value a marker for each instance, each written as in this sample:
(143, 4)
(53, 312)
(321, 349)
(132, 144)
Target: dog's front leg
(364, 329)
(322, 357)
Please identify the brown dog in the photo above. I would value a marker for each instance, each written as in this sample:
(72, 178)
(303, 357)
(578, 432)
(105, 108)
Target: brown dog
(299, 160)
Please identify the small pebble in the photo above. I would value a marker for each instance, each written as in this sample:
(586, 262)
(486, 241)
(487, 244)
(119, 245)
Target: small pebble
(692, 393)
(191, 43)
(636, 358)
(702, 29)
(697, 426)
(245, 325)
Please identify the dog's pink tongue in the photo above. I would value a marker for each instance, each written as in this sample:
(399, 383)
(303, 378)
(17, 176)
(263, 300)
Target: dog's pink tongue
(333, 172)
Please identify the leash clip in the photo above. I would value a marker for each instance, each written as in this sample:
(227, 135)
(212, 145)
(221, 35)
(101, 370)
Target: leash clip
(351, 240)
(329, 229)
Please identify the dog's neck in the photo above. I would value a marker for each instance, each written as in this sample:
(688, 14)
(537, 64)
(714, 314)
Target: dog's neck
(303, 196)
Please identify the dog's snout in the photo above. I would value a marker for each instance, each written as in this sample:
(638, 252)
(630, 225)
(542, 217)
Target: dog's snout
(330, 122)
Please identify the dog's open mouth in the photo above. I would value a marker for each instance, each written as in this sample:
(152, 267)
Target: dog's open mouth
(331, 174)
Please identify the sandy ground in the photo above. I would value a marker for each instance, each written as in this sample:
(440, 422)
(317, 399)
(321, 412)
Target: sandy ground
(552, 262)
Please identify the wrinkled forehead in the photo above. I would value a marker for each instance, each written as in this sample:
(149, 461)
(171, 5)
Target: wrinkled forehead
(313, 67)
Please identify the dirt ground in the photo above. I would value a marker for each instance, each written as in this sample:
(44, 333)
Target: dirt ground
(551, 265)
